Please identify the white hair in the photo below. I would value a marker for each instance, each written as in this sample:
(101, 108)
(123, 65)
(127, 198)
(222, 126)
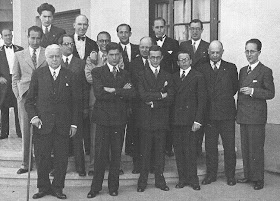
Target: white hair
(52, 47)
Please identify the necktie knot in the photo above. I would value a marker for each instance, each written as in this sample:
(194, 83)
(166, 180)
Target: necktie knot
(54, 75)
(81, 38)
(249, 69)
(194, 47)
(156, 72)
(215, 67)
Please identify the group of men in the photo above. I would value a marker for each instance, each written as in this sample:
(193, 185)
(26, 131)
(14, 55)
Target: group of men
(159, 95)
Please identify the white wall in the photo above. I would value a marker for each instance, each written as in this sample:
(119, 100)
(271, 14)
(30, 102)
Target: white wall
(242, 20)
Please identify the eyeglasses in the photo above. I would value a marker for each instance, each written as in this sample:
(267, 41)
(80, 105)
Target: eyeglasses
(251, 51)
(155, 58)
(68, 44)
(195, 28)
(184, 59)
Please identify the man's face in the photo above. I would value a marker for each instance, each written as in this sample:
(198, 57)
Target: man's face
(81, 25)
(124, 34)
(196, 31)
(67, 46)
(34, 39)
(159, 28)
(215, 53)
(113, 57)
(144, 47)
(155, 58)
(46, 18)
(7, 37)
(53, 58)
(252, 54)
(102, 41)
(184, 61)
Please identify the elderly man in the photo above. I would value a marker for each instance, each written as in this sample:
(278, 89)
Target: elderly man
(222, 84)
(52, 105)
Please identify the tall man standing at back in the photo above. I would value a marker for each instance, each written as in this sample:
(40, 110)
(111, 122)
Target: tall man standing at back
(26, 62)
(7, 97)
(51, 32)
(222, 84)
(256, 86)
(198, 49)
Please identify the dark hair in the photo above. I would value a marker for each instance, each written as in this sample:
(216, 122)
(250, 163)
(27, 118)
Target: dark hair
(257, 42)
(160, 18)
(5, 29)
(103, 32)
(60, 40)
(155, 48)
(184, 52)
(45, 6)
(113, 46)
(35, 29)
(197, 21)
(121, 25)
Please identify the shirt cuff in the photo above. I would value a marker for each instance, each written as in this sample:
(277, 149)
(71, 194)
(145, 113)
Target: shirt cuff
(252, 92)
(73, 126)
(33, 118)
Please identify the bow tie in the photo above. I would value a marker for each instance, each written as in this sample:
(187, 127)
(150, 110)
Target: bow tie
(81, 38)
(160, 38)
(11, 46)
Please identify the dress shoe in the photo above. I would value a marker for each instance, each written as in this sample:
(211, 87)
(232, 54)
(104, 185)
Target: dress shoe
(82, 173)
(113, 193)
(258, 185)
(243, 180)
(163, 188)
(90, 173)
(92, 194)
(40, 194)
(135, 171)
(195, 187)
(208, 180)
(140, 189)
(180, 185)
(59, 195)
(231, 181)
(169, 153)
(21, 171)
(3, 137)
(121, 172)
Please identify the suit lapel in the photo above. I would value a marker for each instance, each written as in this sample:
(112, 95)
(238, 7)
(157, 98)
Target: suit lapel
(186, 81)
(41, 58)
(249, 78)
(220, 74)
(27, 58)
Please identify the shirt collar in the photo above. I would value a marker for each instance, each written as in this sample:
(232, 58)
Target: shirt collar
(69, 58)
(31, 50)
(254, 65)
(186, 71)
(153, 68)
(217, 64)
(197, 42)
(76, 36)
(56, 70)
(111, 67)
(44, 27)
(127, 45)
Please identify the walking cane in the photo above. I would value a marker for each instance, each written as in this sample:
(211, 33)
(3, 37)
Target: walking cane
(29, 161)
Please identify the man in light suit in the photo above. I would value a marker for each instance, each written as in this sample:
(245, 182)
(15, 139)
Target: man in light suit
(221, 84)
(255, 87)
(7, 97)
(170, 48)
(51, 32)
(187, 118)
(26, 61)
(76, 66)
(52, 104)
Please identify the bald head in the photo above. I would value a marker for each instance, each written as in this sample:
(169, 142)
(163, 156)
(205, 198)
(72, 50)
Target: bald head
(215, 51)
(144, 46)
(81, 25)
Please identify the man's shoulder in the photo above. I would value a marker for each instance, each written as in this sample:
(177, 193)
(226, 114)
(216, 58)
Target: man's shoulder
(228, 64)
(58, 29)
(204, 43)
(78, 61)
(187, 42)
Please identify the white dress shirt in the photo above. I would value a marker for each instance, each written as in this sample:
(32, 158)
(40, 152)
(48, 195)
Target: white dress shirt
(10, 55)
(160, 42)
(111, 68)
(128, 50)
(186, 71)
(217, 64)
(80, 46)
(197, 42)
(69, 58)
(44, 28)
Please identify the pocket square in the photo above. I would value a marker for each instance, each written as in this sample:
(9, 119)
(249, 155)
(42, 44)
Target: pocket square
(170, 51)
(66, 84)
(254, 81)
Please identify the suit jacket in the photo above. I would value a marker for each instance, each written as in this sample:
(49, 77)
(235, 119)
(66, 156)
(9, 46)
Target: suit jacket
(190, 98)
(110, 109)
(89, 47)
(150, 89)
(253, 109)
(52, 36)
(54, 106)
(201, 54)
(134, 53)
(221, 88)
(169, 61)
(5, 72)
(23, 69)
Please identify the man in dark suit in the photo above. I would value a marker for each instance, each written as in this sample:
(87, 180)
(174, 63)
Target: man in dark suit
(83, 47)
(77, 66)
(26, 61)
(170, 48)
(255, 87)
(7, 97)
(155, 90)
(112, 89)
(198, 49)
(136, 66)
(187, 118)
(222, 83)
(51, 32)
(52, 106)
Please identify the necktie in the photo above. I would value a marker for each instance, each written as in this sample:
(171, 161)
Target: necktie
(194, 48)
(215, 68)
(183, 75)
(66, 62)
(10, 46)
(125, 55)
(115, 71)
(81, 38)
(249, 70)
(34, 58)
(156, 72)
(46, 30)
(146, 63)
(54, 75)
